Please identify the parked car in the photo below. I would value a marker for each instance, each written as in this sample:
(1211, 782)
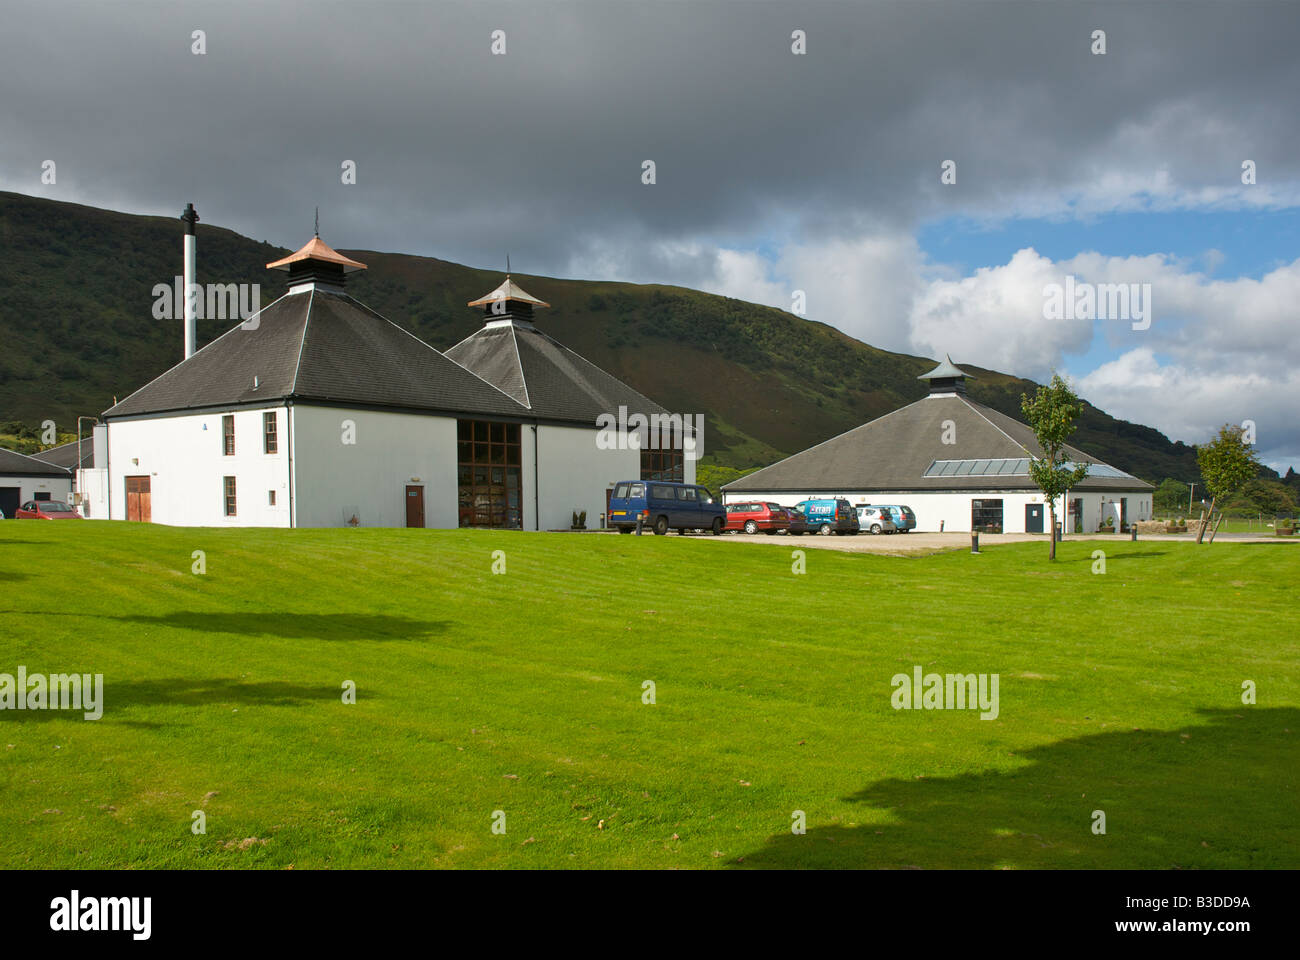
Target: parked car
(876, 519)
(46, 510)
(830, 515)
(902, 515)
(754, 515)
(664, 506)
(799, 524)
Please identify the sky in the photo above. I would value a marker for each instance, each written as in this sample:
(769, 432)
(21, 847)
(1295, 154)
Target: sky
(775, 171)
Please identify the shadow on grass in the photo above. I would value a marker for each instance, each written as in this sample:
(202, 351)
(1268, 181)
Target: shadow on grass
(306, 626)
(185, 692)
(1119, 555)
(1221, 794)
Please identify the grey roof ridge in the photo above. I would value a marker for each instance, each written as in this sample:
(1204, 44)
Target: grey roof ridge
(237, 326)
(52, 469)
(297, 364)
(975, 408)
(567, 349)
(424, 344)
(519, 362)
(1065, 446)
(826, 441)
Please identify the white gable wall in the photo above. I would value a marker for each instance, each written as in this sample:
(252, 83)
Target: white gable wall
(573, 474)
(182, 456)
(335, 480)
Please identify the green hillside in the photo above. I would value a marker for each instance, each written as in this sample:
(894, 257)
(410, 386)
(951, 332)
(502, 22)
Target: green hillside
(77, 318)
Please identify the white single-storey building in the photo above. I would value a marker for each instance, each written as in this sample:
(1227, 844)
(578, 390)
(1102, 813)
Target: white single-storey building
(958, 464)
(319, 412)
(24, 478)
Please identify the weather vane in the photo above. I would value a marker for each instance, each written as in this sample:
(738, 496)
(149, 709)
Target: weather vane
(318, 222)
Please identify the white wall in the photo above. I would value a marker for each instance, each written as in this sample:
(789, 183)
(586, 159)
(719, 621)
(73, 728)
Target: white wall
(92, 486)
(953, 510)
(59, 488)
(334, 480)
(182, 456)
(573, 474)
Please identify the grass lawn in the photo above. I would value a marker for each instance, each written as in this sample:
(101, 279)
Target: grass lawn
(522, 693)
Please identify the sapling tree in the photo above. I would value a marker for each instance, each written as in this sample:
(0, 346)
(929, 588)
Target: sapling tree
(1227, 462)
(1052, 415)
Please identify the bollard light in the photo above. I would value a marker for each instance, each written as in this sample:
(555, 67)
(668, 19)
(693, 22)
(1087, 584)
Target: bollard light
(974, 541)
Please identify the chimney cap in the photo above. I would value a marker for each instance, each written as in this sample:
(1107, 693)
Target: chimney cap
(317, 249)
(946, 371)
(509, 290)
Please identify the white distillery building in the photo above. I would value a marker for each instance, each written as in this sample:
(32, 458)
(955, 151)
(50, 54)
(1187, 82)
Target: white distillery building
(24, 478)
(319, 412)
(958, 464)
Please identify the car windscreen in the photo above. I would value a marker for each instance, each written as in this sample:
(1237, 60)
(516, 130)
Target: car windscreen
(54, 506)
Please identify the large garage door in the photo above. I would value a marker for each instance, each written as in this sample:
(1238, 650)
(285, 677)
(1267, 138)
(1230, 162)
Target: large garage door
(9, 499)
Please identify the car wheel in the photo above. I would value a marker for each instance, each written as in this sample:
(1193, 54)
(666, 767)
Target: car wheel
(875, 528)
(751, 527)
(825, 530)
(717, 526)
(661, 526)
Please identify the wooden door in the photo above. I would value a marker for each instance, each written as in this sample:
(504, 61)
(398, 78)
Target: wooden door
(414, 506)
(138, 497)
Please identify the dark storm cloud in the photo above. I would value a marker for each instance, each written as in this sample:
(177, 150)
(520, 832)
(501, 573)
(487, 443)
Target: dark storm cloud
(465, 155)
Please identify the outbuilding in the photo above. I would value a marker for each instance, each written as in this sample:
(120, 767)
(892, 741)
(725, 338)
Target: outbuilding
(24, 478)
(958, 464)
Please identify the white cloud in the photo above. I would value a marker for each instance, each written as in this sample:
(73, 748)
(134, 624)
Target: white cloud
(1191, 404)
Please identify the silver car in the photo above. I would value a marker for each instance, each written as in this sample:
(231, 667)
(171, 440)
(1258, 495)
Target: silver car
(876, 520)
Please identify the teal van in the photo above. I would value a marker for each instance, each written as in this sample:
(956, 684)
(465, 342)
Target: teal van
(830, 515)
(664, 506)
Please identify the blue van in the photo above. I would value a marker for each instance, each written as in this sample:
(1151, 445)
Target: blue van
(664, 506)
(831, 515)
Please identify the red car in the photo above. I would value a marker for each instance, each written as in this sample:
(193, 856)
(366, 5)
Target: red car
(756, 516)
(46, 510)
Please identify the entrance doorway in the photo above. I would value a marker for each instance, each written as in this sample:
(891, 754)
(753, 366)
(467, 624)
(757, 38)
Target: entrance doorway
(138, 499)
(1033, 518)
(414, 506)
(9, 499)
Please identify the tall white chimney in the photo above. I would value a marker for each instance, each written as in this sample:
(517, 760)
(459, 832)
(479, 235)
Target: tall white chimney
(190, 217)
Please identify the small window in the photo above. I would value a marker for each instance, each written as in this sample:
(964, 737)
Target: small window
(686, 493)
(638, 489)
(228, 435)
(620, 491)
(270, 498)
(270, 438)
(229, 495)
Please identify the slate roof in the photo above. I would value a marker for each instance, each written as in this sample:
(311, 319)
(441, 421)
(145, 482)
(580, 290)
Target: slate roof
(548, 378)
(65, 454)
(14, 464)
(322, 346)
(893, 452)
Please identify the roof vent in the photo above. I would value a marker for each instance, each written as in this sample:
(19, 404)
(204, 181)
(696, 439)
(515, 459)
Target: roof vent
(946, 379)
